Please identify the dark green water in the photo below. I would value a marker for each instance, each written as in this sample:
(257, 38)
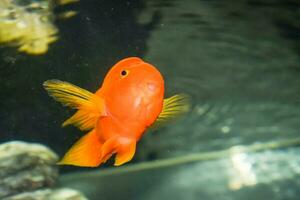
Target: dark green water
(238, 60)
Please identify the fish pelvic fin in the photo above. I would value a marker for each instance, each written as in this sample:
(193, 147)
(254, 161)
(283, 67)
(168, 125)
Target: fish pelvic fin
(125, 153)
(85, 152)
(90, 106)
(173, 107)
(123, 147)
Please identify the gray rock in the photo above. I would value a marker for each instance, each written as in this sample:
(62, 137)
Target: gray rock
(26, 167)
(28, 172)
(49, 194)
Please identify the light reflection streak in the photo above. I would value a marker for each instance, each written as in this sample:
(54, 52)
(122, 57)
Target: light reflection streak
(243, 173)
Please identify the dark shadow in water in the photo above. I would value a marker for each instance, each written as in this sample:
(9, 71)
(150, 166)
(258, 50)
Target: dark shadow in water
(291, 32)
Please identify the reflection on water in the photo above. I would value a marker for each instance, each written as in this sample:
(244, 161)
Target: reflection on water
(237, 64)
(243, 173)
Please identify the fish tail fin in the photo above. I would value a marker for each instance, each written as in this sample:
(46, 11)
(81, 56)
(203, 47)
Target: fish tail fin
(123, 147)
(85, 152)
(90, 106)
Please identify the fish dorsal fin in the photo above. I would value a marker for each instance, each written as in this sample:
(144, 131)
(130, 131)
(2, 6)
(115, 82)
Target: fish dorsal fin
(90, 106)
(173, 107)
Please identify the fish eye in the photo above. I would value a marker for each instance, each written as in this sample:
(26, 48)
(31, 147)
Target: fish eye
(124, 73)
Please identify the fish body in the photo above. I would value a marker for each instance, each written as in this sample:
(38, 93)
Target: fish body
(129, 101)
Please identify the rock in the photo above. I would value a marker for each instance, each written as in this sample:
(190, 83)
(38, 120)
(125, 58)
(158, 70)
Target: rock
(24, 155)
(28, 172)
(25, 167)
(57, 194)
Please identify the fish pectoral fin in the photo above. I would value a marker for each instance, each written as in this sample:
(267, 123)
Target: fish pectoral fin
(125, 152)
(173, 107)
(83, 119)
(85, 152)
(90, 106)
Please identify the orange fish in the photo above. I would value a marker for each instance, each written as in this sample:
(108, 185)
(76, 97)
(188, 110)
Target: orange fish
(129, 101)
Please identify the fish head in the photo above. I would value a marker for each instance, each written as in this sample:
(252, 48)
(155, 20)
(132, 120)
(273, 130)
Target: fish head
(132, 84)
